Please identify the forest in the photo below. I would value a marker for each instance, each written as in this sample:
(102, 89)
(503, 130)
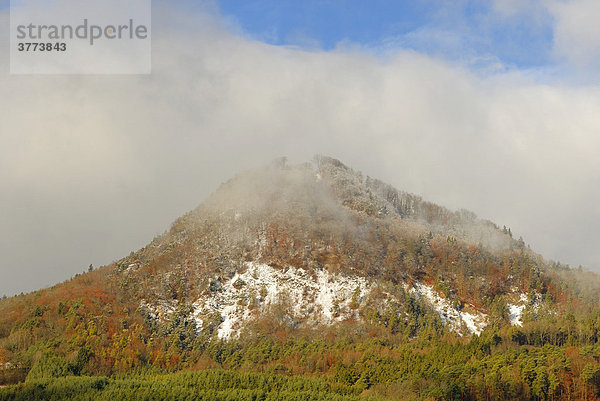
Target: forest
(73, 341)
(94, 336)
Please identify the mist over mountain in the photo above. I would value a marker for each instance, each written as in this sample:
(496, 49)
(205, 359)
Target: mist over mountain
(312, 253)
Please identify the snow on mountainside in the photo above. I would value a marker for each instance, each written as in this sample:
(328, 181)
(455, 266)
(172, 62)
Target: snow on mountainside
(319, 243)
(516, 310)
(473, 322)
(320, 298)
(309, 298)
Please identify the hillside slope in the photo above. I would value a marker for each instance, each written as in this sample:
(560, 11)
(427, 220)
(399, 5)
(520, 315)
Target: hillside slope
(296, 270)
(320, 243)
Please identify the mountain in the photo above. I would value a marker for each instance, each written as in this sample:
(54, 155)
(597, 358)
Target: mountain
(319, 244)
(297, 269)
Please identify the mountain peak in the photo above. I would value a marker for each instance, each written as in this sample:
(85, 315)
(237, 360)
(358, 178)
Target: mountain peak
(317, 242)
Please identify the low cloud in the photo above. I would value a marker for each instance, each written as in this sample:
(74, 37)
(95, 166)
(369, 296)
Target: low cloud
(92, 167)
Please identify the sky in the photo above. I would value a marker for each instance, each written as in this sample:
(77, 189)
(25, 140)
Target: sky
(492, 106)
(466, 31)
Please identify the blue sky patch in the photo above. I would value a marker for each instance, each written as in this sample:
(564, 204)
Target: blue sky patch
(466, 31)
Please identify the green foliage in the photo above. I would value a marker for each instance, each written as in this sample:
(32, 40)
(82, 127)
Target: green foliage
(203, 385)
(49, 365)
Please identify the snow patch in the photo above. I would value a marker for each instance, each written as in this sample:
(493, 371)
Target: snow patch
(515, 311)
(514, 314)
(319, 298)
(161, 310)
(451, 316)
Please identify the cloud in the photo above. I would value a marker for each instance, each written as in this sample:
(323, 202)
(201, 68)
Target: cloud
(511, 8)
(91, 167)
(575, 28)
(577, 32)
